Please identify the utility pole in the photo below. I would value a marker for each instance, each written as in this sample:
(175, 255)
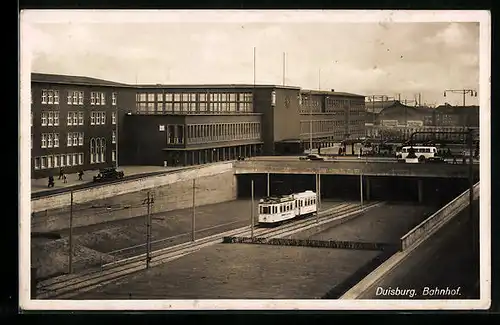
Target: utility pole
(116, 133)
(149, 201)
(251, 214)
(193, 221)
(319, 79)
(254, 67)
(310, 127)
(268, 185)
(284, 67)
(317, 198)
(70, 264)
(474, 227)
(361, 189)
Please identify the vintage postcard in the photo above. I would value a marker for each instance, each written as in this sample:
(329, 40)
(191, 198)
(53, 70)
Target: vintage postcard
(257, 160)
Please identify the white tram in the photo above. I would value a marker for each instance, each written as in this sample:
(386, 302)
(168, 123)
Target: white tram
(278, 209)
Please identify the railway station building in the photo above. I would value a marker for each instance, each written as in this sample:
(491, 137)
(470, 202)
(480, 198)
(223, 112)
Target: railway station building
(189, 125)
(73, 123)
(83, 123)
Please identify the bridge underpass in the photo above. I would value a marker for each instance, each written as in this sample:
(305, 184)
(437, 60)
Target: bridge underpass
(428, 191)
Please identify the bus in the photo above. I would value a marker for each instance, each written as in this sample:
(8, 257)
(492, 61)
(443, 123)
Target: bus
(422, 152)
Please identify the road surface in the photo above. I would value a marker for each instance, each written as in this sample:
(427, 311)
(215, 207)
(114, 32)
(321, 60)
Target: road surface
(446, 260)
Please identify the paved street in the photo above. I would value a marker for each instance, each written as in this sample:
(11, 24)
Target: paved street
(39, 185)
(384, 224)
(444, 260)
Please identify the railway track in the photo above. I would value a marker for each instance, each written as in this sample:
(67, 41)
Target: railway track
(67, 286)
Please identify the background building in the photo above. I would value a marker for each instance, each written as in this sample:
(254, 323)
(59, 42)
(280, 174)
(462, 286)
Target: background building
(73, 123)
(396, 121)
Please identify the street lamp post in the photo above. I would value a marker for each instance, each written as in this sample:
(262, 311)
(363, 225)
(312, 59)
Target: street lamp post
(310, 128)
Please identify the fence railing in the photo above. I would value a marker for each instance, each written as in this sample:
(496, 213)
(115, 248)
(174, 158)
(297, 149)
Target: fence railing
(441, 216)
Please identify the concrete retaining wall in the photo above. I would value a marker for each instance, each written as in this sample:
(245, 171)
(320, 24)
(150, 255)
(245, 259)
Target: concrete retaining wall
(353, 168)
(411, 241)
(174, 196)
(110, 190)
(439, 218)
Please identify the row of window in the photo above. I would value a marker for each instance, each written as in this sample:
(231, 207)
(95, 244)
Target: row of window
(288, 206)
(194, 97)
(51, 140)
(74, 139)
(99, 118)
(51, 96)
(192, 107)
(200, 133)
(319, 126)
(55, 161)
(97, 150)
(51, 118)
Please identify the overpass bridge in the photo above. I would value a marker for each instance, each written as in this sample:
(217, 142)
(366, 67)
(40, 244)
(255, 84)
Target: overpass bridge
(364, 168)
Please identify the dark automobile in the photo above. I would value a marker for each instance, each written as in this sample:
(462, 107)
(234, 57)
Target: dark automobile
(436, 160)
(108, 174)
(314, 156)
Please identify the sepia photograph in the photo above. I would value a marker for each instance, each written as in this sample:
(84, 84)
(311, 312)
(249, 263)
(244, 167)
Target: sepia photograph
(275, 160)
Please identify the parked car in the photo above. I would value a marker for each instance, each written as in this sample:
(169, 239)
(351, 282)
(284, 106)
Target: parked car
(314, 156)
(108, 174)
(436, 160)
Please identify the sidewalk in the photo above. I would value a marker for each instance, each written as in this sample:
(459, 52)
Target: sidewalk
(41, 184)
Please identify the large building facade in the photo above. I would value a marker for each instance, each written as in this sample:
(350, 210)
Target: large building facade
(81, 123)
(188, 125)
(73, 123)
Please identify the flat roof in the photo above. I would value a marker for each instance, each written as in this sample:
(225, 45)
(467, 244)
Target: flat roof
(330, 93)
(73, 80)
(212, 86)
(197, 114)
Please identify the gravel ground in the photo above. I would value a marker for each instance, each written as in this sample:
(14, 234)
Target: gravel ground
(51, 257)
(238, 271)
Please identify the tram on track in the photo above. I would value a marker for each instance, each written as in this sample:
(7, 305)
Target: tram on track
(273, 210)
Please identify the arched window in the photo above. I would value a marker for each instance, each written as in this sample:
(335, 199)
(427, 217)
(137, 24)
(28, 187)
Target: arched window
(103, 150)
(92, 150)
(98, 150)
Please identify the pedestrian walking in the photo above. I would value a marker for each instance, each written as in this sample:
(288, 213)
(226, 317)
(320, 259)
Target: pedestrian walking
(65, 179)
(80, 175)
(51, 181)
(61, 172)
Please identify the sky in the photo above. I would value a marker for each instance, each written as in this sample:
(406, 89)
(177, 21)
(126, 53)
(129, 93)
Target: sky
(368, 58)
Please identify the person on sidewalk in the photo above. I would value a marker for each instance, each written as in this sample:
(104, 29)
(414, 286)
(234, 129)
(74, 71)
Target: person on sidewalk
(51, 181)
(61, 172)
(65, 179)
(80, 175)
